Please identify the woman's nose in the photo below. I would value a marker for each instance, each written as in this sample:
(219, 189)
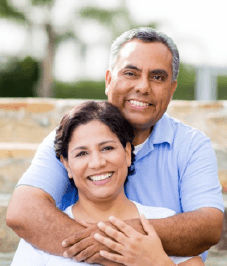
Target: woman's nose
(97, 161)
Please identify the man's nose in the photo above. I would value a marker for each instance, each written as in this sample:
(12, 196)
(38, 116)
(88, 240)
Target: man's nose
(97, 160)
(143, 86)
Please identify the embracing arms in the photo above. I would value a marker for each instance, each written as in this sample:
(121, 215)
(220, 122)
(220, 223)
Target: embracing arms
(33, 216)
(42, 226)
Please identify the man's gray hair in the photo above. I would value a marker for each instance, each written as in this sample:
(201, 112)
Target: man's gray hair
(146, 35)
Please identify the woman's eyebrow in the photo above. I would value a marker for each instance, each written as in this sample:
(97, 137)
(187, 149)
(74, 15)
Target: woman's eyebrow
(107, 141)
(79, 148)
(86, 148)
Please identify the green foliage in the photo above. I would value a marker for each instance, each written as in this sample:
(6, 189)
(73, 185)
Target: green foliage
(185, 83)
(18, 78)
(81, 90)
(42, 2)
(10, 12)
(222, 87)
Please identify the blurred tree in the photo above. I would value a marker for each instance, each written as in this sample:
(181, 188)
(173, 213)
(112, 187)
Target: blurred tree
(18, 78)
(54, 38)
(116, 20)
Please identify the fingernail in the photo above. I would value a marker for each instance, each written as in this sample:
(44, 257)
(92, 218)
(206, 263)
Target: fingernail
(65, 254)
(96, 235)
(64, 244)
(100, 224)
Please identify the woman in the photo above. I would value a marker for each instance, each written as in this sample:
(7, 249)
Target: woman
(93, 142)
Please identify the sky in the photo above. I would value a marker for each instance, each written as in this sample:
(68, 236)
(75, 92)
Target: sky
(198, 27)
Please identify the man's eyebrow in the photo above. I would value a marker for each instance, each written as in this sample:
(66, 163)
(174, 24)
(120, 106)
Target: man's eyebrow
(158, 72)
(132, 67)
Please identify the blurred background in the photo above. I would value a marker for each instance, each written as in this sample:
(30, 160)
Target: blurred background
(60, 48)
(56, 49)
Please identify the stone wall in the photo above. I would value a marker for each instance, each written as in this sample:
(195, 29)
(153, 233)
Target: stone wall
(25, 122)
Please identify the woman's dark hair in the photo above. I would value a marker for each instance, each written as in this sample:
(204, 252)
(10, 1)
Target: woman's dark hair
(104, 112)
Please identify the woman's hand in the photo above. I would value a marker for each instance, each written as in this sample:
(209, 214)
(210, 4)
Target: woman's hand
(132, 247)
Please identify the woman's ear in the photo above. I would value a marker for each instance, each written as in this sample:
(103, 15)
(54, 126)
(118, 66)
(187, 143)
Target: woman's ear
(128, 150)
(66, 164)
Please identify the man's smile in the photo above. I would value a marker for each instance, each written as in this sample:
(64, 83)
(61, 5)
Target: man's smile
(138, 103)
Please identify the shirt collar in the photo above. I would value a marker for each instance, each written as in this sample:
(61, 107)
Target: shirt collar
(162, 133)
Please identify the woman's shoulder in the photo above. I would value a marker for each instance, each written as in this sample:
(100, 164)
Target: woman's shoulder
(151, 212)
(69, 212)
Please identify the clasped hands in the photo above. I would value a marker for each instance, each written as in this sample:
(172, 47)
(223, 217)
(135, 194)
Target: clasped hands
(116, 243)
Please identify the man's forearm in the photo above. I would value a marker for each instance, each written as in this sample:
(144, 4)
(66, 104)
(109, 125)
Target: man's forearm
(187, 234)
(35, 218)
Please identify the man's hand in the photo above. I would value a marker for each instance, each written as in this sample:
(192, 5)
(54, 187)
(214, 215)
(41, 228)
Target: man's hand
(83, 247)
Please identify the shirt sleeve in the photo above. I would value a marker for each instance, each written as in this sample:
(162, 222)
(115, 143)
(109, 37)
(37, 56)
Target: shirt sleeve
(199, 182)
(47, 172)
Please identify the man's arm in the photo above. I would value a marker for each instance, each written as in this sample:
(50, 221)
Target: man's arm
(188, 234)
(33, 216)
(185, 234)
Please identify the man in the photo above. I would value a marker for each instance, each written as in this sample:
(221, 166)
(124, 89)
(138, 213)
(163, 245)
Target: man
(175, 164)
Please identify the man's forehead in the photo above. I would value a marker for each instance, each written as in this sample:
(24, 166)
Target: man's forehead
(137, 52)
(139, 48)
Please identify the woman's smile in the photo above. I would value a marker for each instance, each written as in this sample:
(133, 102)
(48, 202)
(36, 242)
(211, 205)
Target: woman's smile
(101, 179)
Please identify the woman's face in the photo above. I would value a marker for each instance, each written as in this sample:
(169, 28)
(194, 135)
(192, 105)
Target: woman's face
(97, 161)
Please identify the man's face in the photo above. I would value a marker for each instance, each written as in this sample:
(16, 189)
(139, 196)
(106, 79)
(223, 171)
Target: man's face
(140, 84)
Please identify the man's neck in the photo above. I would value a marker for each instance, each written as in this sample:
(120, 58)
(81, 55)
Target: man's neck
(141, 135)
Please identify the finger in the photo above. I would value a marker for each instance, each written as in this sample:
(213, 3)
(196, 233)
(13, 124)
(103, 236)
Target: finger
(148, 228)
(86, 253)
(113, 233)
(123, 227)
(75, 249)
(77, 237)
(96, 258)
(112, 257)
(109, 243)
(84, 223)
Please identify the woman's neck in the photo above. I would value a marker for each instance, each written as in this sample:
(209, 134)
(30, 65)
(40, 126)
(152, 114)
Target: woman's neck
(99, 210)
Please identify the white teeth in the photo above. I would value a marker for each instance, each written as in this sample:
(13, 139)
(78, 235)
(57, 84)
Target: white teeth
(137, 103)
(100, 177)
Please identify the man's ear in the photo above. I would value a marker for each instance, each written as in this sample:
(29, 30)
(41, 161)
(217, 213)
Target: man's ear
(107, 81)
(128, 150)
(66, 164)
